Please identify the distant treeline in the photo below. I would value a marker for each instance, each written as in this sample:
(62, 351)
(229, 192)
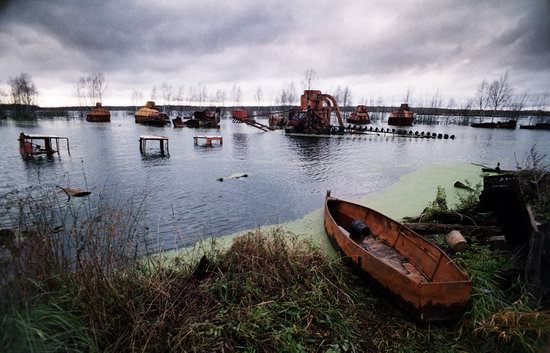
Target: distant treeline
(265, 110)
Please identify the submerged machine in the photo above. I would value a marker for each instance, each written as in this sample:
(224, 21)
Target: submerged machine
(29, 147)
(150, 115)
(99, 114)
(402, 116)
(207, 118)
(359, 116)
(314, 115)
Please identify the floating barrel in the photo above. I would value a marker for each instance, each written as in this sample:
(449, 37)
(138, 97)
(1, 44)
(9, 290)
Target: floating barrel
(427, 134)
(410, 132)
(422, 133)
(393, 131)
(376, 129)
(445, 136)
(440, 136)
(452, 137)
(371, 128)
(416, 133)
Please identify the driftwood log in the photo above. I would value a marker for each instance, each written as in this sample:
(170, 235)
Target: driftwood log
(481, 232)
(448, 217)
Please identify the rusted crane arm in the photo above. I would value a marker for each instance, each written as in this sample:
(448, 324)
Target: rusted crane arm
(335, 105)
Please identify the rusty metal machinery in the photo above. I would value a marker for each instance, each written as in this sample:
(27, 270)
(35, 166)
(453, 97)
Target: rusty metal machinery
(314, 115)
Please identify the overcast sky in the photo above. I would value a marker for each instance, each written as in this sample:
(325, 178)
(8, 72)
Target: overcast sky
(376, 48)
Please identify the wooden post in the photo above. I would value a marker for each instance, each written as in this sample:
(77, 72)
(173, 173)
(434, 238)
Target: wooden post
(48, 145)
(161, 146)
(167, 147)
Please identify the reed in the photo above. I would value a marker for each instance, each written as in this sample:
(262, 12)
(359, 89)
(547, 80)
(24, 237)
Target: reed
(78, 279)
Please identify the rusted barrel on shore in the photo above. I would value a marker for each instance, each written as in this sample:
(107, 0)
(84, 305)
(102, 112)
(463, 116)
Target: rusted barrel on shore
(456, 241)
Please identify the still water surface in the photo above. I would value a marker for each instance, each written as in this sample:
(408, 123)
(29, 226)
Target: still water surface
(287, 175)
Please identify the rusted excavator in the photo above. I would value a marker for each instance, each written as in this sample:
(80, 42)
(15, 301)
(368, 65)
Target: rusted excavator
(314, 115)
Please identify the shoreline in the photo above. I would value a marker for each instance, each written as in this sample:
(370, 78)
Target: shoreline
(412, 192)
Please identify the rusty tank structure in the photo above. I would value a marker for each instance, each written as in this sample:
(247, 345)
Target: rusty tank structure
(98, 114)
(359, 116)
(402, 116)
(150, 115)
(314, 115)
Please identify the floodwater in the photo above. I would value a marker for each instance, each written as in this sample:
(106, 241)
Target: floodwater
(287, 175)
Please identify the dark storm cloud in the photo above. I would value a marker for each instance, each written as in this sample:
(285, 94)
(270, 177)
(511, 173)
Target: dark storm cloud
(226, 42)
(130, 28)
(436, 35)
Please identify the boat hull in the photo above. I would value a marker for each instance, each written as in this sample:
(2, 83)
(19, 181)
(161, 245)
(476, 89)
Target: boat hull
(539, 126)
(498, 125)
(438, 300)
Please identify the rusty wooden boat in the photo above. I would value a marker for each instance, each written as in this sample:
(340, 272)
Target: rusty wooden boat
(419, 277)
(402, 116)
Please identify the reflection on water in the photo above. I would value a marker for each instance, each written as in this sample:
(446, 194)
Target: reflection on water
(287, 175)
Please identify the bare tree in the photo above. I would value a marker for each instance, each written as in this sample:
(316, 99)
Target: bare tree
(166, 92)
(236, 95)
(283, 97)
(499, 93)
(436, 100)
(191, 95)
(292, 95)
(346, 98)
(179, 97)
(540, 101)
(258, 95)
(95, 87)
(3, 96)
(451, 104)
(407, 95)
(220, 96)
(137, 98)
(22, 90)
(153, 95)
(466, 111)
(481, 96)
(309, 78)
(519, 101)
(202, 93)
(338, 93)
(80, 93)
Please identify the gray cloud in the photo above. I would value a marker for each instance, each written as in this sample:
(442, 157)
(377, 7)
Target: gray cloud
(141, 43)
